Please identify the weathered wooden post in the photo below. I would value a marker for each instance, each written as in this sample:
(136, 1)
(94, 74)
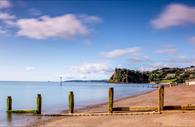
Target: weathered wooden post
(9, 108)
(161, 98)
(110, 99)
(39, 104)
(9, 103)
(71, 102)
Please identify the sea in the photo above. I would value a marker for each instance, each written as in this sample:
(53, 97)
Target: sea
(55, 97)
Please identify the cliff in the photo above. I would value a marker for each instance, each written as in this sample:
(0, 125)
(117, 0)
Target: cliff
(128, 76)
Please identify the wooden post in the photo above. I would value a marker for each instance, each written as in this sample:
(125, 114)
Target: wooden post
(161, 98)
(110, 99)
(71, 102)
(39, 104)
(9, 103)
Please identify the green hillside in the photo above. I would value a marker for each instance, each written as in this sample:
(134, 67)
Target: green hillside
(163, 75)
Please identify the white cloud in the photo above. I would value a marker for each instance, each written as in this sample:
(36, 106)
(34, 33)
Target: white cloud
(91, 68)
(88, 71)
(180, 59)
(5, 4)
(176, 61)
(46, 27)
(121, 52)
(155, 66)
(29, 68)
(8, 19)
(160, 65)
(67, 26)
(90, 19)
(167, 51)
(6, 16)
(138, 59)
(175, 15)
(2, 31)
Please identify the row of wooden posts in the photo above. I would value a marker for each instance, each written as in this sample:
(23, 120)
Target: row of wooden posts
(137, 108)
(38, 109)
(111, 107)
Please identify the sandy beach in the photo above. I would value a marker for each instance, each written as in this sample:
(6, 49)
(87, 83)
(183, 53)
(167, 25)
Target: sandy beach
(179, 95)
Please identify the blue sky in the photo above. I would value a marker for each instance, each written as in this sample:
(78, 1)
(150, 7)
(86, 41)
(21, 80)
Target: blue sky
(42, 40)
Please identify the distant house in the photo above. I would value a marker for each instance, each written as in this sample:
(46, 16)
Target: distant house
(170, 75)
(192, 68)
(190, 82)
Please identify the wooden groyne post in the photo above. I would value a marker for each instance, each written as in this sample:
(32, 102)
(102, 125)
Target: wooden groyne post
(39, 104)
(110, 99)
(71, 102)
(9, 103)
(161, 98)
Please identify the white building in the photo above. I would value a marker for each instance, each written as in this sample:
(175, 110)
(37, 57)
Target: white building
(190, 82)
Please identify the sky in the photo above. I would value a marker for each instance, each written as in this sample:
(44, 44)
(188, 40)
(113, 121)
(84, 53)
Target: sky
(41, 40)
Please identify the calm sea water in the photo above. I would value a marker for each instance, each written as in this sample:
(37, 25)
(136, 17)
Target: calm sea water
(55, 97)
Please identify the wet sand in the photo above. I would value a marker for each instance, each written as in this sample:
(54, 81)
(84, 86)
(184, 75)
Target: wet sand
(179, 95)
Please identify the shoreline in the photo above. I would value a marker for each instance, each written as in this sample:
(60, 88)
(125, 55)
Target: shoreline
(88, 108)
(115, 101)
(177, 95)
